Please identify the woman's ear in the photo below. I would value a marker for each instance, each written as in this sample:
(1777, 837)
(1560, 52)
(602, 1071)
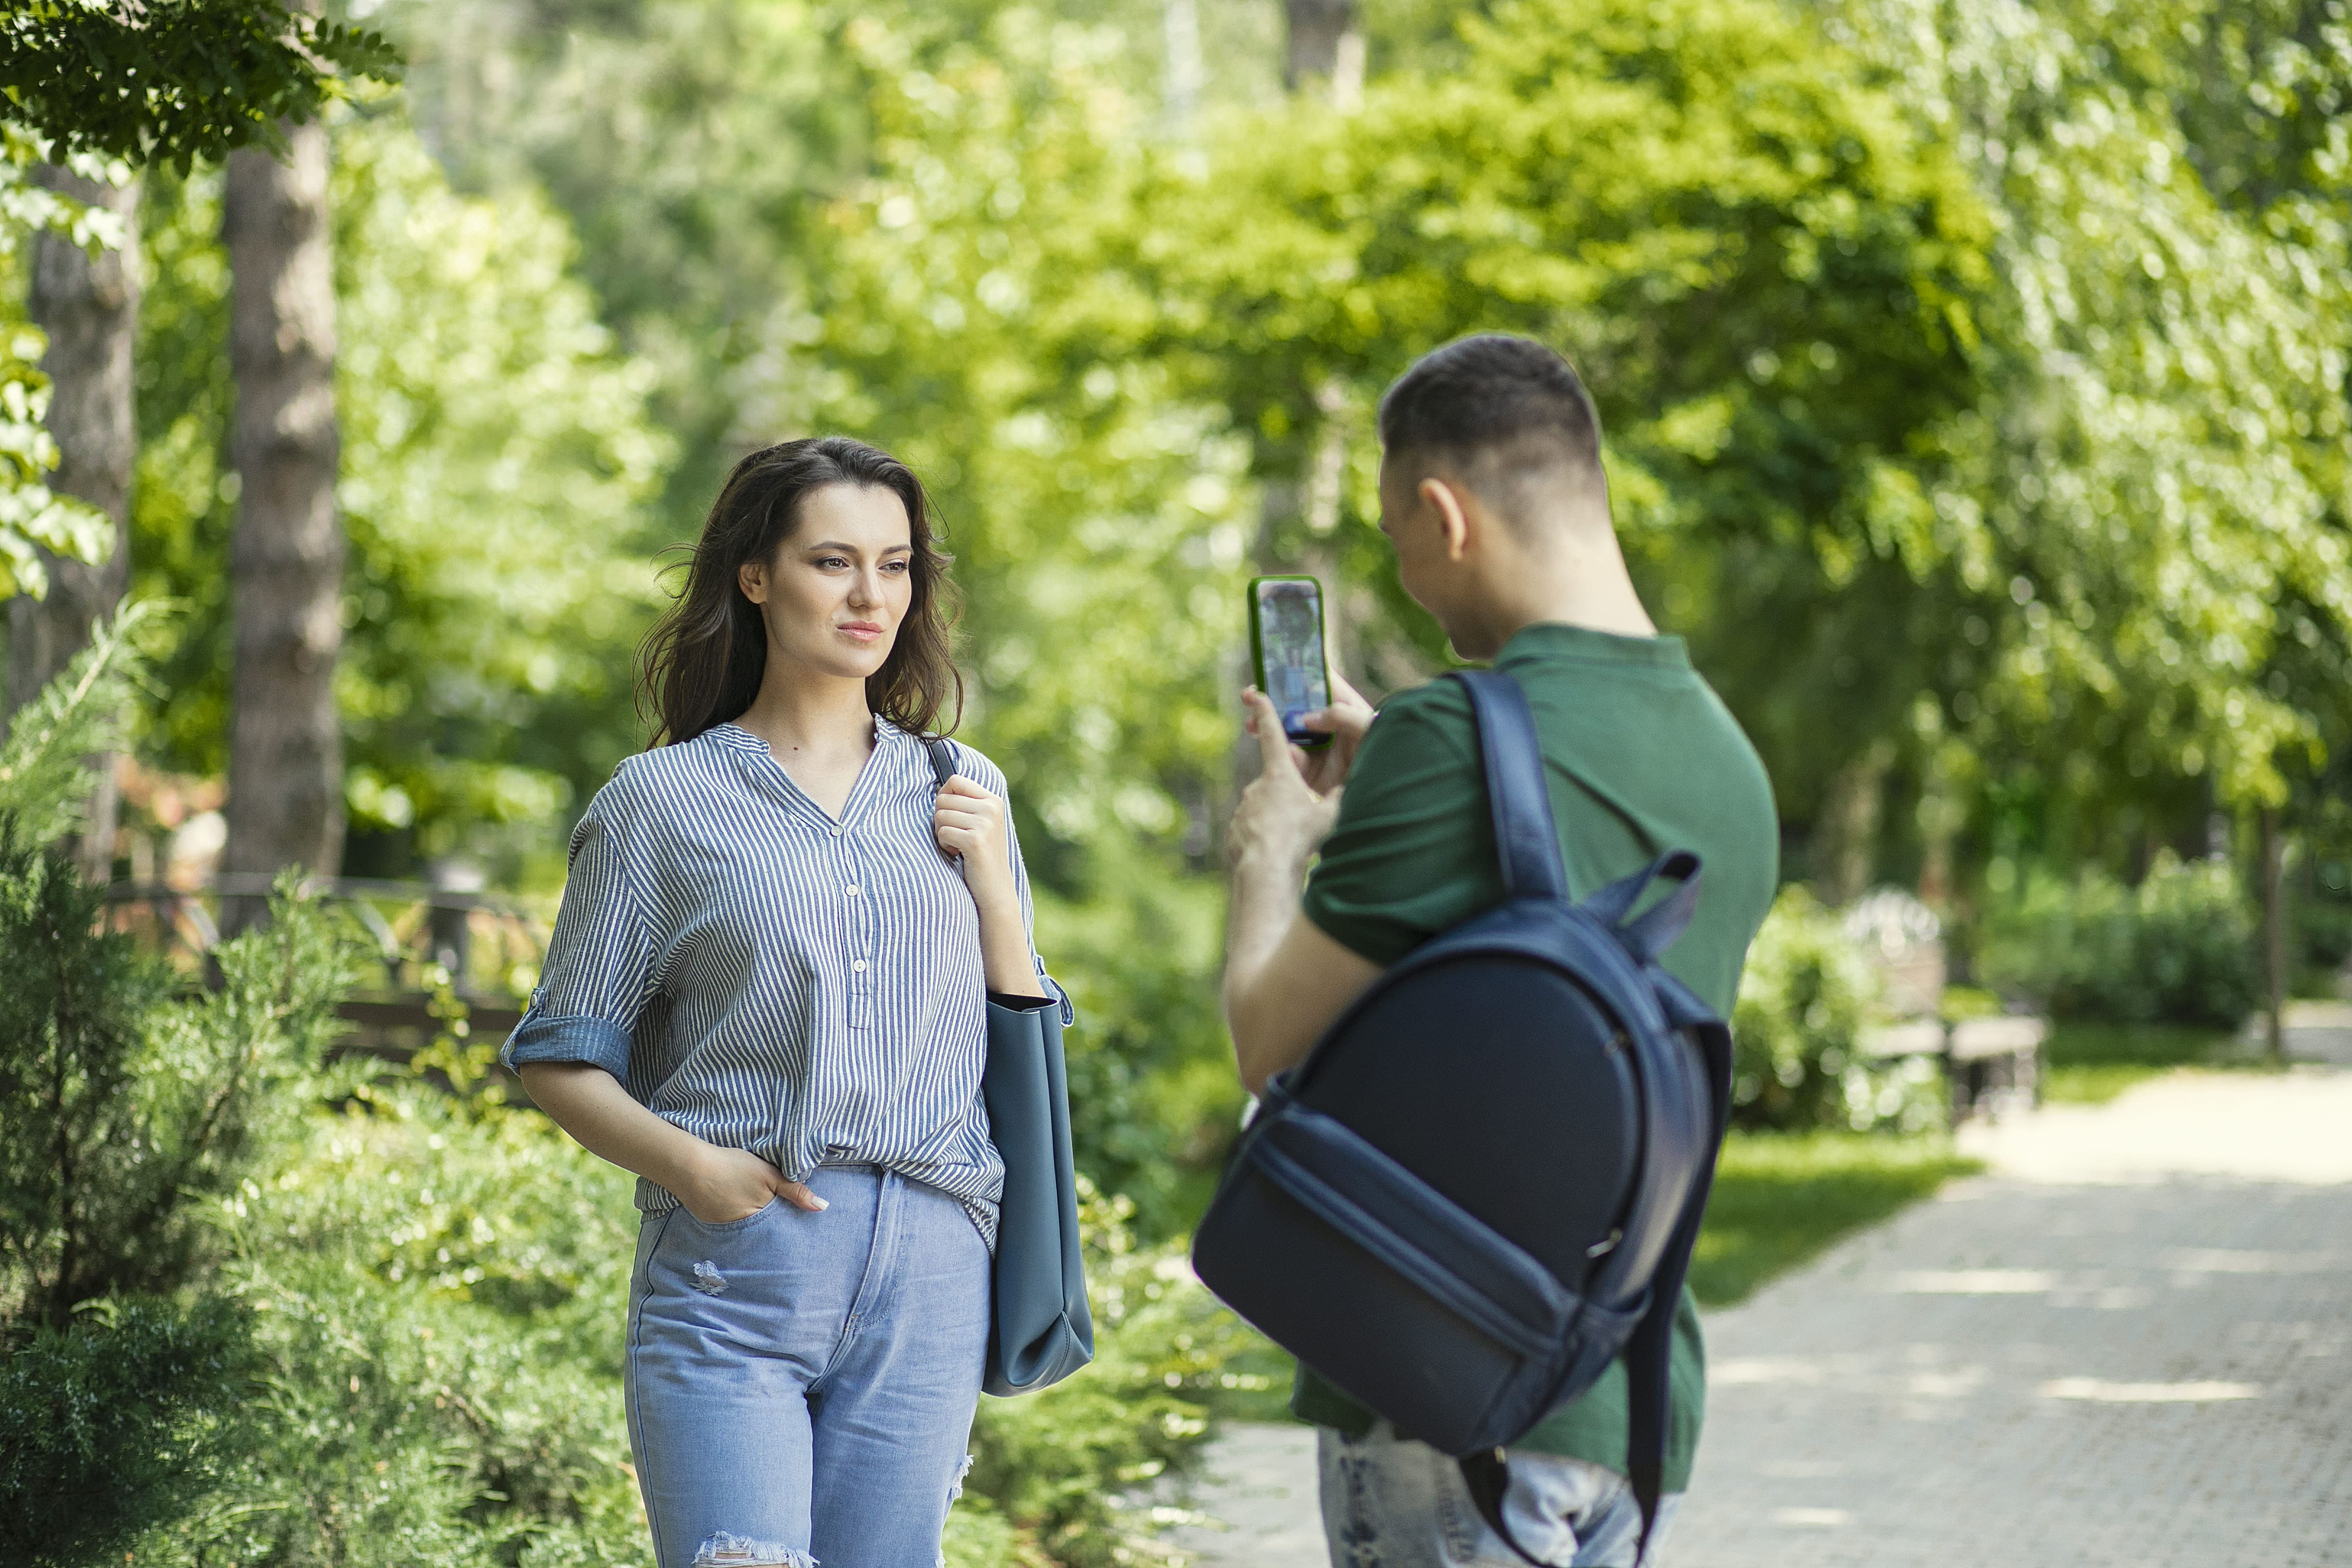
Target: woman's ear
(751, 577)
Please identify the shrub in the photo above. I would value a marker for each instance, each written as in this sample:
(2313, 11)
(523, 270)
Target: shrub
(2178, 948)
(438, 1290)
(119, 1102)
(112, 1421)
(1805, 997)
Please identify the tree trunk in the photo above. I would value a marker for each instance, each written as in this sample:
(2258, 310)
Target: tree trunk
(89, 308)
(286, 561)
(1326, 46)
(1846, 831)
(2273, 937)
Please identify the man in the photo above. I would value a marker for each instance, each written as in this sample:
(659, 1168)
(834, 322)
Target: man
(1492, 493)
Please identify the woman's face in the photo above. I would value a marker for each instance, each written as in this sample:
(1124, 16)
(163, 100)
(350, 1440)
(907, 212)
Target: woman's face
(840, 583)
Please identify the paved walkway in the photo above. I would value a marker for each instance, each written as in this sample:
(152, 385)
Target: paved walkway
(2130, 1344)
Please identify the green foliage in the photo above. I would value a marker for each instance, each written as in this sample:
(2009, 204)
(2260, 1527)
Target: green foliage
(437, 1296)
(1153, 1096)
(46, 756)
(2178, 948)
(33, 518)
(74, 1179)
(1804, 999)
(110, 1425)
(2157, 476)
(1075, 1467)
(122, 1107)
(176, 80)
(495, 454)
(437, 1300)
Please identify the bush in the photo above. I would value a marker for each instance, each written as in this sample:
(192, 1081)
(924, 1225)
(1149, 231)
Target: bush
(438, 1290)
(121, 1103)
(2177, 949)
(111, 1423)
(1805, 997)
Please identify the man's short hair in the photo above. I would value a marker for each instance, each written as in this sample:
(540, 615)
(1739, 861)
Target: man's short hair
(1502, 412)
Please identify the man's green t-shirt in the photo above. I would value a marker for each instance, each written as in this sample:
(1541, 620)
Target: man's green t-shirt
(1641, 757)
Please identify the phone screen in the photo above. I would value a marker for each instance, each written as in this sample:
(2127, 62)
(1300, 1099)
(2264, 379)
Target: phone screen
(1291, 671)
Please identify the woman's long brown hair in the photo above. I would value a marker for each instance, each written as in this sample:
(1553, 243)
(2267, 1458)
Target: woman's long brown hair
(703, 663)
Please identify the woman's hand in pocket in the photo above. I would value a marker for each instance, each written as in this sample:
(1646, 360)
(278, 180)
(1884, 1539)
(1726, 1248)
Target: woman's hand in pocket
(727, 1184)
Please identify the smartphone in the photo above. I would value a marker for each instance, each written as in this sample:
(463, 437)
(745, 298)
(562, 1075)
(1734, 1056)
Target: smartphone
(1286, 646)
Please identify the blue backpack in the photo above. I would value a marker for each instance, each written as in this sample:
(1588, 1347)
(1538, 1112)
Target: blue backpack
(1482, 1186)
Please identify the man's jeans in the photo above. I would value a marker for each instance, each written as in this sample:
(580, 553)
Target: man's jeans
(1390, 1502)
(801, 1385)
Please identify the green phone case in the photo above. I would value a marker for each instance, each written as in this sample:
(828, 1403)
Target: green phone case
(1257, 642)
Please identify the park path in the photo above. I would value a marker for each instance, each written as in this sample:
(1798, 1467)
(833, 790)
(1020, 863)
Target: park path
(2129, 1344)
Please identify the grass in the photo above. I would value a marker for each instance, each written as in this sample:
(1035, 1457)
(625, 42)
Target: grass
(2090, 1064)
(1783, 1199)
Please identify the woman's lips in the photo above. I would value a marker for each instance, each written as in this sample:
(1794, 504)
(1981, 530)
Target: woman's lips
(864, 631)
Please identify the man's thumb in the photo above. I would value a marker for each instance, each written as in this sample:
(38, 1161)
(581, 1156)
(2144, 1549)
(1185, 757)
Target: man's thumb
(1272, 746)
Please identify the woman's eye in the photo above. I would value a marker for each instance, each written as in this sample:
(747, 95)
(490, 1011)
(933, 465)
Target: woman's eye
(894, 565)
(831, 562)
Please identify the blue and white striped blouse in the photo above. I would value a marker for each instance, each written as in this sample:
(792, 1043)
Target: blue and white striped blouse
(771, 979)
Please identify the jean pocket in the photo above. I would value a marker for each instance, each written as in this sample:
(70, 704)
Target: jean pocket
(727, 1227)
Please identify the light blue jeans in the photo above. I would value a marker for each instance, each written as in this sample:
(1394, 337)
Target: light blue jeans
(1390, 1502)
(801, 1385)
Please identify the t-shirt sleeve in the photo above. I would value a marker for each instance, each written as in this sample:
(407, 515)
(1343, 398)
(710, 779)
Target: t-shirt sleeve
(1412, 852)
(600, 959)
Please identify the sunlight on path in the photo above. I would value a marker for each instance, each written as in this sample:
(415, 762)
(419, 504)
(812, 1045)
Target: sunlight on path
(1257, 1502)
(2131, 1343)
(2295, 1127)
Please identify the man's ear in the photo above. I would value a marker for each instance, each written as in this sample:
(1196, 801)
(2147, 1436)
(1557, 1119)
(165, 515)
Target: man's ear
(751, 577)
(1453, 517)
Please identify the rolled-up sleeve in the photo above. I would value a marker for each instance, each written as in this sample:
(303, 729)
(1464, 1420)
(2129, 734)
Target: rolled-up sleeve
(600, 963)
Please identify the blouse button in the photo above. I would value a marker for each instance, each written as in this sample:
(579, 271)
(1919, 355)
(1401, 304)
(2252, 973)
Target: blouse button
(858, 967)
(851, 890)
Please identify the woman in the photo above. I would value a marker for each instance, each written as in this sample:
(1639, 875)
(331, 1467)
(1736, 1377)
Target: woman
(766, 997)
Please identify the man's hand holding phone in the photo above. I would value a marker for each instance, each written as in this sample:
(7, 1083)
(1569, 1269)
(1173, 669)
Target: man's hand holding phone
(1325, 769)
(1286, 811)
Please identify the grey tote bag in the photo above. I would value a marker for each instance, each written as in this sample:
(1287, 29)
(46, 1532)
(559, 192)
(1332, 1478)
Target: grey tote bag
(1044, 1329)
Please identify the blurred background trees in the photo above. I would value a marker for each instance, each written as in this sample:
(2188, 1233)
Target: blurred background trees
(1975, 388)
(1975, 381)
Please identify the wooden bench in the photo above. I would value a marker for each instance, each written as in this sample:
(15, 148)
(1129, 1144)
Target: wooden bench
(425, 936)
(1991, 1065)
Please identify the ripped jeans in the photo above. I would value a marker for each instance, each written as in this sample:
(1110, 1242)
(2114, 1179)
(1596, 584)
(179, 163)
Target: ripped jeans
(801, 1385)
(1390, 1502)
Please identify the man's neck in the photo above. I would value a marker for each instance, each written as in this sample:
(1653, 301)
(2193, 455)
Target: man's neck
(1580, 584)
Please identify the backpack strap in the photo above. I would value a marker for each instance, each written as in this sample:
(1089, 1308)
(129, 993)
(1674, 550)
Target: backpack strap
(1649, 936)
(1526, 842)
(1649, 1355)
